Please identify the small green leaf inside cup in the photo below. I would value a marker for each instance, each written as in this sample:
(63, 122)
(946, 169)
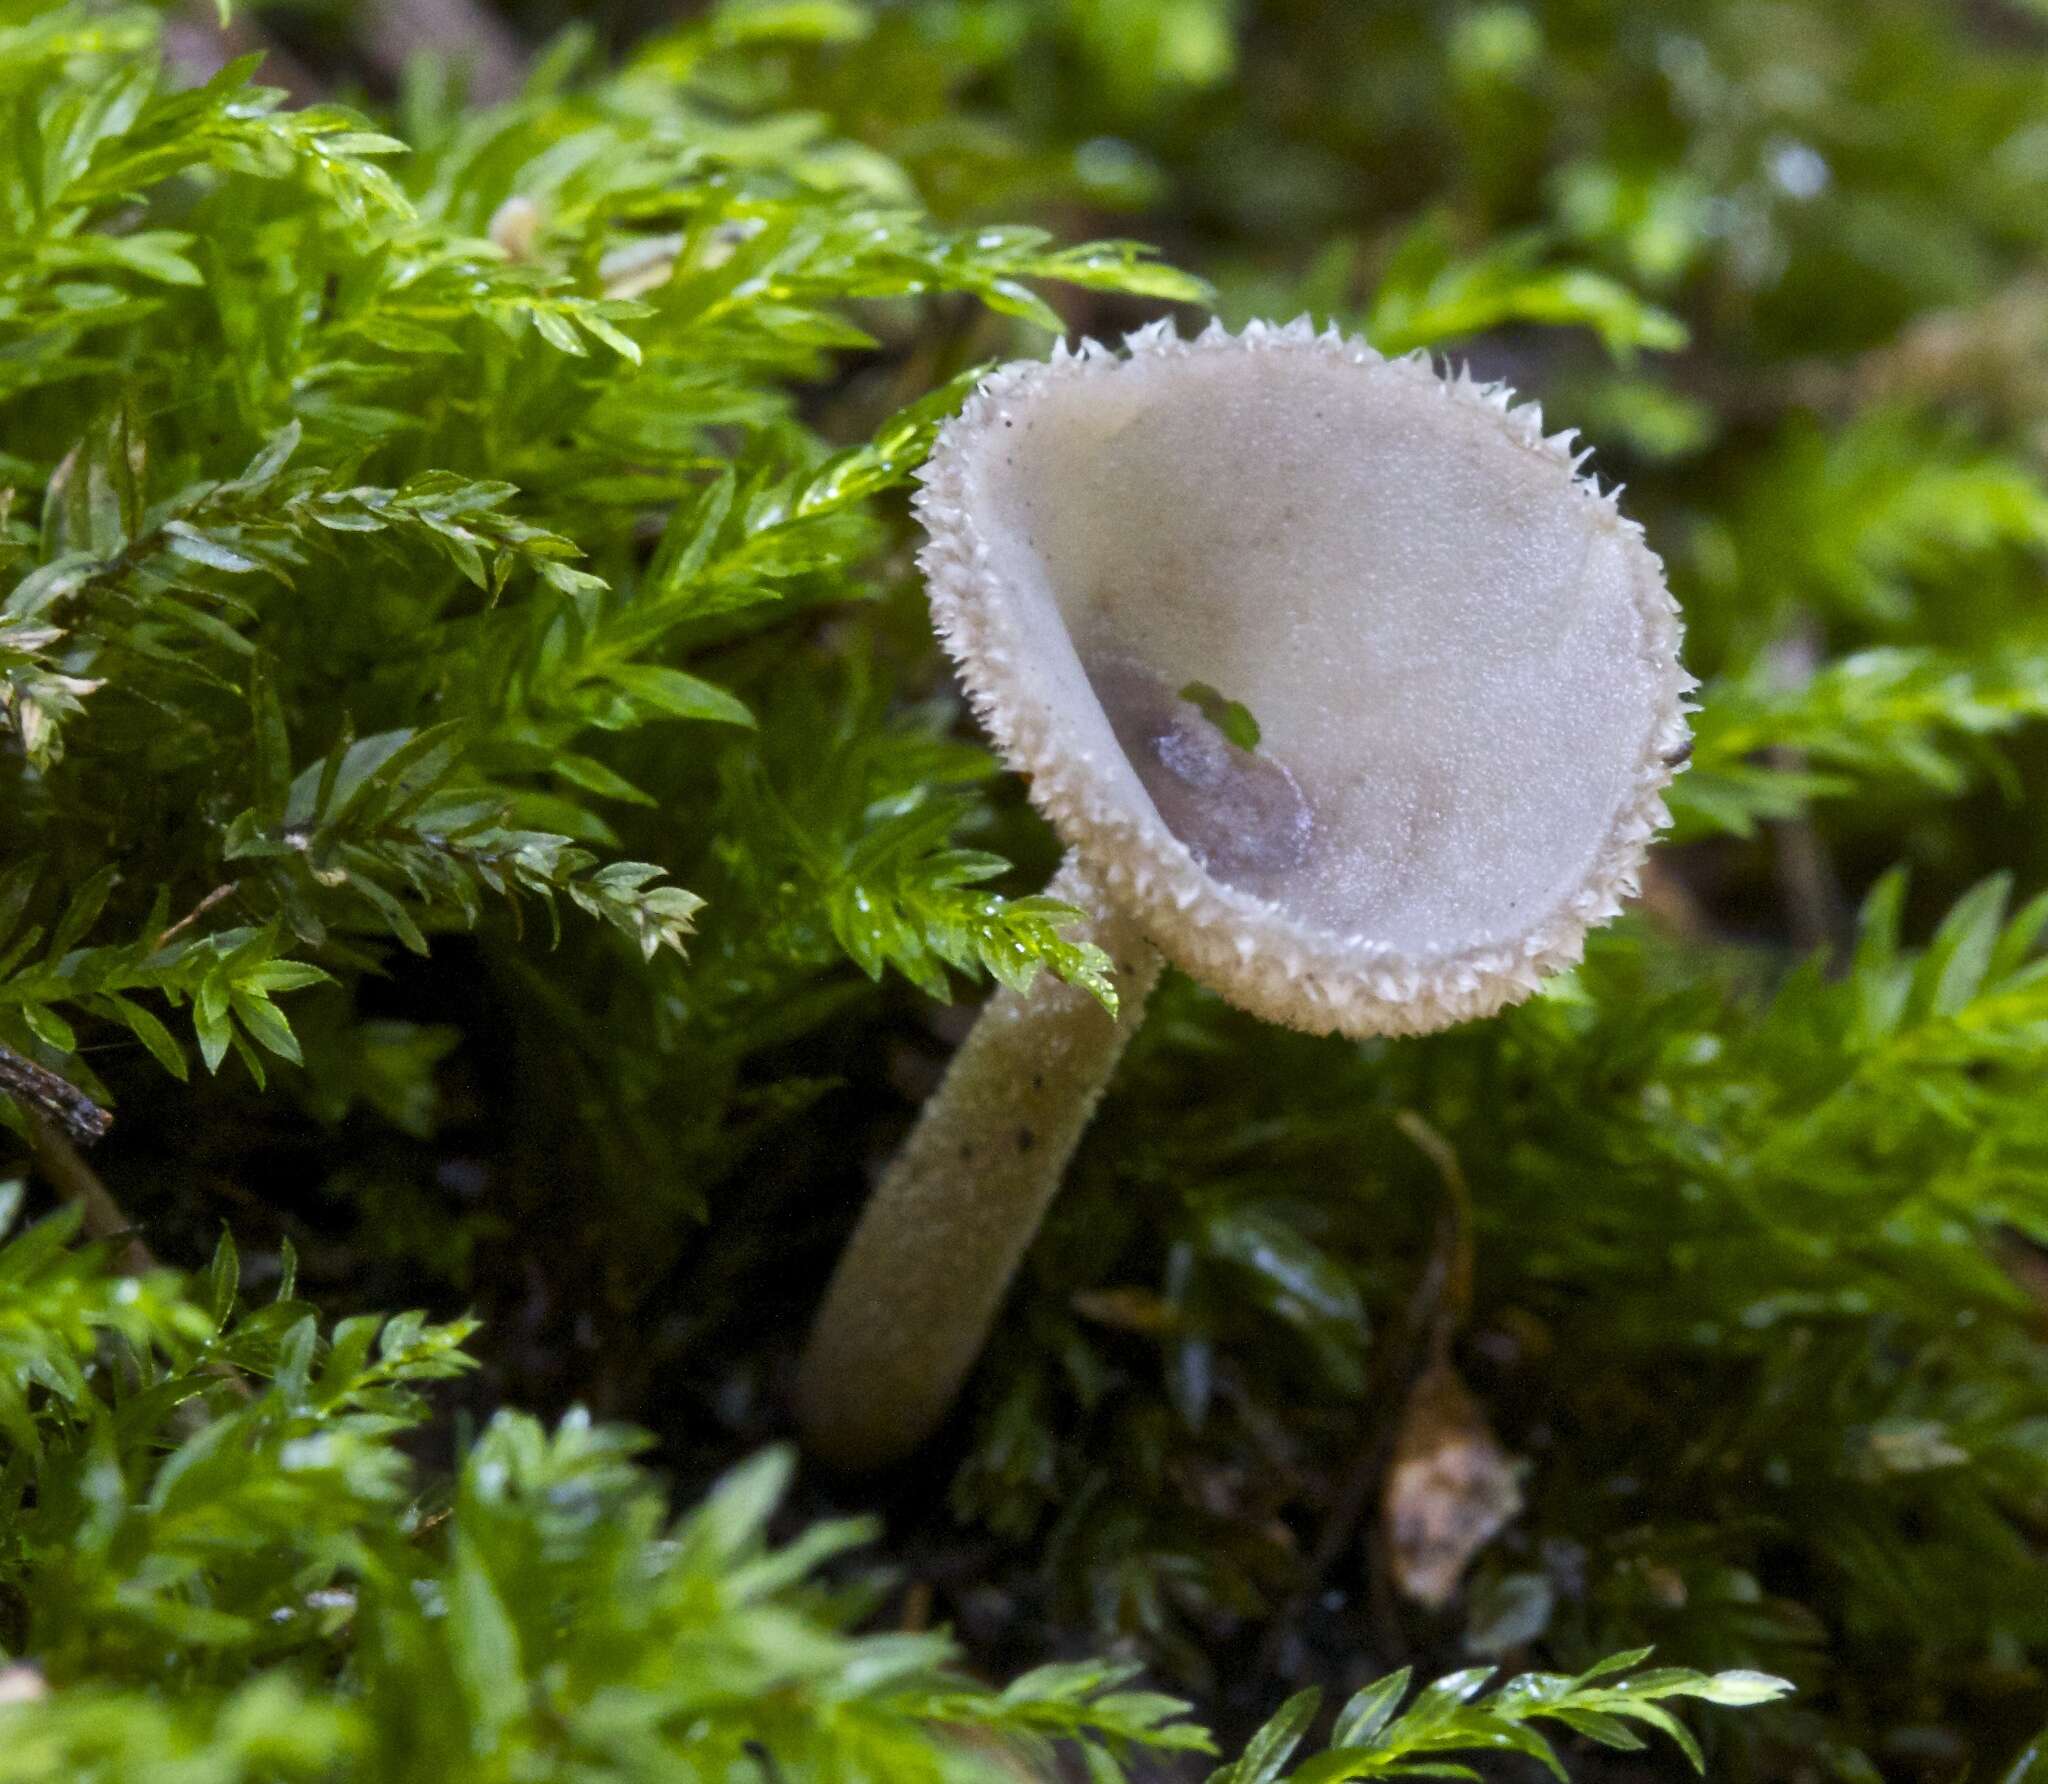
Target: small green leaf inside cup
(1232, 717)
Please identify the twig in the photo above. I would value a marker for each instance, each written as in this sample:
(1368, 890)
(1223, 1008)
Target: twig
(465, 34)
(76, 1181)
(1453, 1297)
(1435, 1312)
(199, 46)
(226, 890)
(916, 1615)
(1672, 905)
(47, 1095)
(1816, 911)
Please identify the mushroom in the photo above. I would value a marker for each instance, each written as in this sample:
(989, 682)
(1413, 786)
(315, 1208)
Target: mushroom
(1346, 693)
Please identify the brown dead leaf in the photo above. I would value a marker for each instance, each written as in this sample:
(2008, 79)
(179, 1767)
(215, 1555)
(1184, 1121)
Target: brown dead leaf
(1451, 1489)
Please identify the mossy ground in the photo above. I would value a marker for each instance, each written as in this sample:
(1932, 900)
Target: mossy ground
(480, 803)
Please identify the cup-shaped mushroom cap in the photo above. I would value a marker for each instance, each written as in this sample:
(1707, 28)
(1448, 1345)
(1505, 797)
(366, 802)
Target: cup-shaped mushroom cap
(1332, 671)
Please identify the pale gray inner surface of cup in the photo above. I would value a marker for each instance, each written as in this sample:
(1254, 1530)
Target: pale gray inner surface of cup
(1439, 635)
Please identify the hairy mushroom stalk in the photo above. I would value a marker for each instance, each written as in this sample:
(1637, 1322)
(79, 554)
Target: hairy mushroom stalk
(1346, 692)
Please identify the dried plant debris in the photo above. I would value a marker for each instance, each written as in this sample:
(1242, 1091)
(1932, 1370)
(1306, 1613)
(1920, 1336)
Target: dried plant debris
(1450, 1489)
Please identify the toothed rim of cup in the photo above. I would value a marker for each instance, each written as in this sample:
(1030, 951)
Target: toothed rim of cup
(1246, 948)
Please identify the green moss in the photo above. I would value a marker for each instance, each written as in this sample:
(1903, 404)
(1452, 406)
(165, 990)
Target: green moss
(480, 808)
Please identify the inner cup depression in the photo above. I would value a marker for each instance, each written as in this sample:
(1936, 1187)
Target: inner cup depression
(1441, 637)
(1241, 813)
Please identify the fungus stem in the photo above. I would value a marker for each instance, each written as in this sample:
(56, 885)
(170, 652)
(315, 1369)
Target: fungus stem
(918, 1287)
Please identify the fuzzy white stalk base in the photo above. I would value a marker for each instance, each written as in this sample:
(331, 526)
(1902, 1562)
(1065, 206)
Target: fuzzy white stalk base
(920, 1283)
